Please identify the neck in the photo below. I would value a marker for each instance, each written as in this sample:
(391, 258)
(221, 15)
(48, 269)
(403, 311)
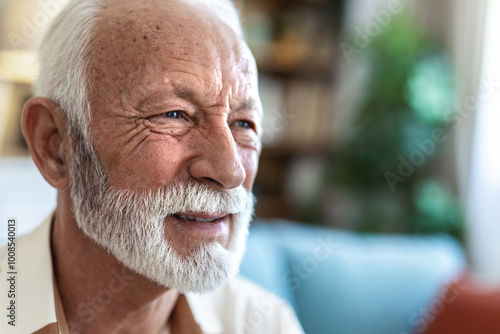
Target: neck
(100, 295)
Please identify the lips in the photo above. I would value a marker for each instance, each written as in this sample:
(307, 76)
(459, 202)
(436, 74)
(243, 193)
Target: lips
(200, 217)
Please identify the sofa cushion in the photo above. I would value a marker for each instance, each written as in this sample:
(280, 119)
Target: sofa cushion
(349, 283)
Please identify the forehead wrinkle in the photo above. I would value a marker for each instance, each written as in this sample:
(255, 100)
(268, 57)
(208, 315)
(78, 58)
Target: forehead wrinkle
(133, 63)
(126, 35)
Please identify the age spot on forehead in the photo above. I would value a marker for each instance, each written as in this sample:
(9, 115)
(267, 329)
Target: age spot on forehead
(190, 38)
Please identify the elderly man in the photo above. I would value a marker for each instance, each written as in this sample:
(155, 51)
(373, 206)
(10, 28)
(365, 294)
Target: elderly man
(146, 118)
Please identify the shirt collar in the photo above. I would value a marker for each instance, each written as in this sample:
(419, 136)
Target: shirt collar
(204, 310)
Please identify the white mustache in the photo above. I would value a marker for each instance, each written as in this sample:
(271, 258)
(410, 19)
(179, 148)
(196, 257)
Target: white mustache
(191, 196)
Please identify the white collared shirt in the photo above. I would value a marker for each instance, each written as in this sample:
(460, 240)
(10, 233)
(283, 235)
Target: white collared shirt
(239, 307)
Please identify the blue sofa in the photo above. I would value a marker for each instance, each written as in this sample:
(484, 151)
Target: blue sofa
(338, 282)
(346, 283)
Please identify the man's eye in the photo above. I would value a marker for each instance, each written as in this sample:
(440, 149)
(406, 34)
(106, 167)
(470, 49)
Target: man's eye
(173, 114)
(245, 124)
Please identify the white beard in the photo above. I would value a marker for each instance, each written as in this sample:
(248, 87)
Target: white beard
(130, 225)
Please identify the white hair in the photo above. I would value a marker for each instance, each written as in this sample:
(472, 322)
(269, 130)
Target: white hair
(64, 55)
(63, 59)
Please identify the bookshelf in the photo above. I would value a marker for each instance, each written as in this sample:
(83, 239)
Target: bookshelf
(295, 46)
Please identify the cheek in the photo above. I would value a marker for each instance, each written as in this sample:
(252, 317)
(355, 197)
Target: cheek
(153, 165)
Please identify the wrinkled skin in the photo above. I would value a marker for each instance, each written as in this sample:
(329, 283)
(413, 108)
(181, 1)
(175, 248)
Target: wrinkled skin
(174, 98)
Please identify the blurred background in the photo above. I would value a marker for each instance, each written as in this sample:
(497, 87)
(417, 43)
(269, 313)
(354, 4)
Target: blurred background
(371, 112)
(381, 118)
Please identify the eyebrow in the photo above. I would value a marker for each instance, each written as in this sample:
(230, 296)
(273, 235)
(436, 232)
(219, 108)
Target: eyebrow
(186, 93)
(157, 99)
(247, 104)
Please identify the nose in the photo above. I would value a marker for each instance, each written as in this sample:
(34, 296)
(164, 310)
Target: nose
(218, 161)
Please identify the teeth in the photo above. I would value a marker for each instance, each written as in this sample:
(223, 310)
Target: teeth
(197, 219)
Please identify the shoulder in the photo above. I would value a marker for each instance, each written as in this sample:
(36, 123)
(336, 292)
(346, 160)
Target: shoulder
(245, 307)
(263, 311)
(248, 292)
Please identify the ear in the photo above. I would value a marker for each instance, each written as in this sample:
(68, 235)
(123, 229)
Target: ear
(44, 128)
